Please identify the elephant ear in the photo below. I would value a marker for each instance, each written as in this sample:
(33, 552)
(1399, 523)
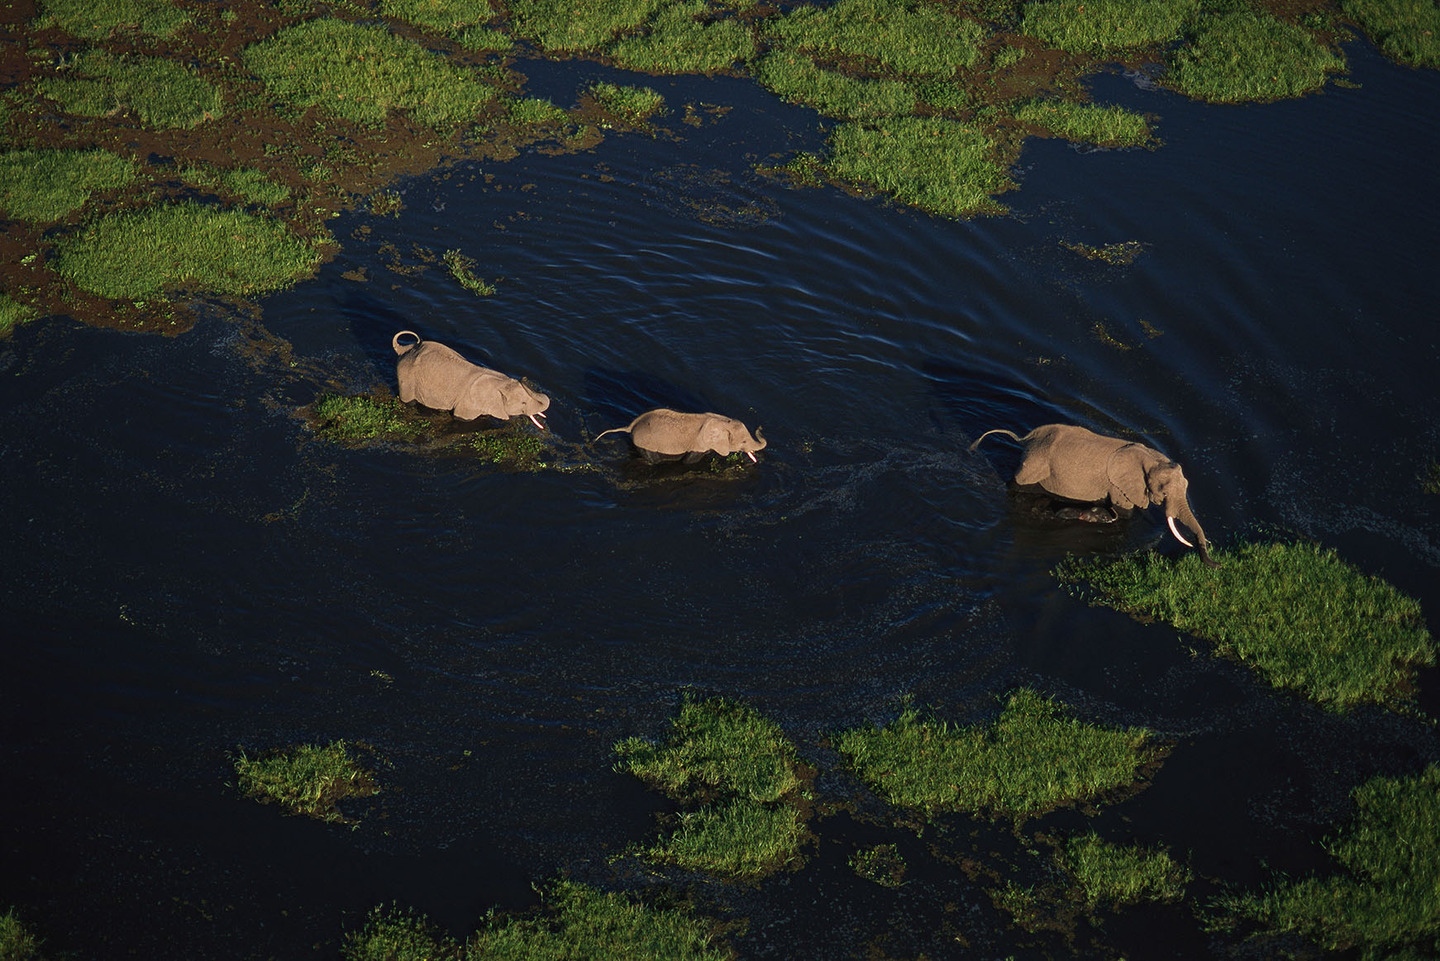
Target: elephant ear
(714, 435)
(1126, 469)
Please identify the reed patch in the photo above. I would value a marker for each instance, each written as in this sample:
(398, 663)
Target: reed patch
(1407, 31)
(46, 185)
(1093, 26)
(308, 779)
(160, 92)
(685, 38)
(98, 19)
(1103, 126)
(13, 313)
(1251, 56)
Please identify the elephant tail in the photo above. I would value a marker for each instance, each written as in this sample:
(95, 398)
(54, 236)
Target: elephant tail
(402, 348)
(613, 430)
(999, 430)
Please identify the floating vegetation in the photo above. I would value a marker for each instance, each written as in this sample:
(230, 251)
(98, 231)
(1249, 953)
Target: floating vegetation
(1406, 30)
(1297, 614)
(98, 19)
(186, 245)
(1124, 253)
(1033, 759)
(247, 183)
(1103, 126)
(568, 26)
(1093, 26)
(365, 419)
(739, 839)
(162, 93)
(632, 106)
(45, 185)
(881, 864)
(17, 941)
(1113, 875)
(361, 73)
(900, 35)
(306, 779)
(683, 38)
(1249, 56)
(13, 313)
(1385, 902)
(462, 268)
(796, 78)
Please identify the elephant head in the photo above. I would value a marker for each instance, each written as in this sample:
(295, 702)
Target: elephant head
(671, 433)
(1144, 477)
(438, 377)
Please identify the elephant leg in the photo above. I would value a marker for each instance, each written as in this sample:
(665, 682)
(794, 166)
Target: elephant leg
(694, 457)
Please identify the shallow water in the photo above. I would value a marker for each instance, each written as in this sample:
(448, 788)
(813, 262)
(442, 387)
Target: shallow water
(189, 572)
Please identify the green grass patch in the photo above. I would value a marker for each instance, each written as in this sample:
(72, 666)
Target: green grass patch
(1297, 614)
(681, 38)
(364, 419)
(881, 864)
(511, 448)
(902, 36)
(462, 268)
(17, 942)
(740, 839)
(1386, 901)
(1033, 759)
(1113, 875)
(1249, 56)
(246, 183)
(634, 106)
(575, 25)
(942, 166)
(1095, 26)
(1430, 483)
(452, 18)
(306, 779)
(162, 93)
(45, 185)
(1406, 30)
(143, 253)
(362, 72)
(96, 19)
(1104, 126)
(536, 112)
(796, 78)
(13, 313)
(1120, 254)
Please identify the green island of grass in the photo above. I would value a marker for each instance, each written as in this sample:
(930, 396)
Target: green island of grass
(306, 779)
(1246, 56)
(14, 313)
(1302, 618)
(1406, 30)
(17, 941)
(1386, 901)
(45, 185)
(1031, 760)
(99, 20)
(161, 92)
(1085, 26)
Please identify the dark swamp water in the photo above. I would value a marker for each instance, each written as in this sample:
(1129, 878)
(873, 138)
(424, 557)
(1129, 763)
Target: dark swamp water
(187, 571)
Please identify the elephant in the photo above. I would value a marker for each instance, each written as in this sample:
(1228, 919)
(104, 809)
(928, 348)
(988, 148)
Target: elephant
(1080, 465)
(438, 377)
(664, 434)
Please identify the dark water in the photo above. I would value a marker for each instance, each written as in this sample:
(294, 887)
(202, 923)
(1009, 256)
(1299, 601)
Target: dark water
(188, 572)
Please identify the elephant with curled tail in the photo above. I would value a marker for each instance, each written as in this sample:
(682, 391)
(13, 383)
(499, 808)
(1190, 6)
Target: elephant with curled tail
(438, 377)
(1080, 465)
(665, 434)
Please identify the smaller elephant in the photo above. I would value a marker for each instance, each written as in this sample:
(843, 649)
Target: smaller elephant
(664, 434)
(1080, 465)
(438, 377)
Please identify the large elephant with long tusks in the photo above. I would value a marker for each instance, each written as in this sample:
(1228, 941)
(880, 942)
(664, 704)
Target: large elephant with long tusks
(438, 377)
(1081, 465)
(667, 434)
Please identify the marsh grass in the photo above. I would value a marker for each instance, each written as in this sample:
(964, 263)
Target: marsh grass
(365, 419)
(575, 25)
(46, 185)
(681, 38)
(17, 942)
(1250, 56)
(450, 17)
(908, 38)
(1032, 759)
(362, 72)
(162, 93)
(1113, 875)
(1294, 612)
(1430, 483)
(942, 166)
(462, 268)
(1094, 26)
(247, 183)
(1103, 126)
(739, 839)
(187, 245)
(1385, 902)
(306, 779)
(1120, 254)
(97, 19)
(631, 105)
(796, 78)
(1406, 30)
(14, 313)
(881, 864)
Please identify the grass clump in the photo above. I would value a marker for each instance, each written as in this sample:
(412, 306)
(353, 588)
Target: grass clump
(391, 934)
(144, 253)
(306, 780)
(1094, 26)
(1386, 901)
(902, 36)
(1245, 55)
(796, 78)
(575, 25)
(14, 313)
(361, 73)
(96, 19)
(453, 18)
(1033, 759)
(358, 420)
(17, 942)
(1296, 613)
(45, 185)
(462, 268)
(1430, 484)
(162, 93)
(942, 166)
(881, 864)
(679, 39)
(1114, 875)
(739, 839)
(1406, 30)
(247, 183)
(632, 105)
(1103, 126)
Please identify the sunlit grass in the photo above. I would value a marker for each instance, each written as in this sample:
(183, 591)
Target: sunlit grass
(796, 78)
(909, 38)
(363, 72)
(187, 245)
(1296, 613)
(462, 268)
(1246, 55)
(450, 17)
(245, 182)
(17, 941)
(356, 420)
(572, 25)
(162, 93)
(1032, 759)
(1104, 126)
(739, 839)
(1092, 26)
(942, 166)
(1406, 30)
(1113, 875)
(306, 779)
(45, 185)
(95, 19)
(13, 313)
(634, 106)
(678, 39)
(1385, 902)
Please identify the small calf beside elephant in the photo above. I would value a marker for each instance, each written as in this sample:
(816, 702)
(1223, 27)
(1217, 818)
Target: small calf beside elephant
(665, 434)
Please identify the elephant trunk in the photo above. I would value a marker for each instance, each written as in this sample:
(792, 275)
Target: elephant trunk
(1187, 517)
(760, 441)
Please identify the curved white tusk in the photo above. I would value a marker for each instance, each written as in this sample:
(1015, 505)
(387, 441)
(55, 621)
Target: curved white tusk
(1176, 531)
(752, 456)
(542, 426)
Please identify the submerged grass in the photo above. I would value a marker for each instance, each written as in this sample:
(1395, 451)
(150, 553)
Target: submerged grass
(1296, 613)
(306, 779)
(881, 864)
(45, 185)
(186, 245)
(1406, 30)
(462, 268)
(1386, 901)
(1093, 26)
(1033, 759)
(13, 313)
(1250, 56)
(162, 93)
